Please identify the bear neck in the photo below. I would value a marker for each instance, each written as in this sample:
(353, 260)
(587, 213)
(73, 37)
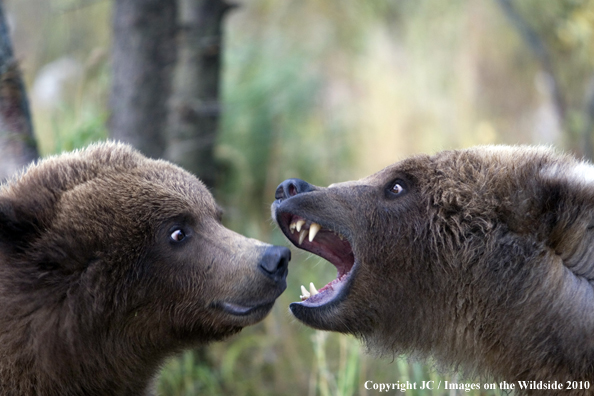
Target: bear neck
(499, 306)
(510, 311)
(45, 354)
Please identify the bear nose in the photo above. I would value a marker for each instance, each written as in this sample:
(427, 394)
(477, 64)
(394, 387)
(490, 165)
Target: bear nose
(275, 263)
(292, 187)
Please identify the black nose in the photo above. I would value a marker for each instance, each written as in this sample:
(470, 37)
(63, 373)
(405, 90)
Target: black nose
(292, 187)
(275, 263)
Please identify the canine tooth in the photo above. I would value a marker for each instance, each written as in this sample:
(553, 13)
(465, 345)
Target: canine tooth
(302, 236)
(312, 289)
(292, 227)
(299, 224)
(313, 230)
(304, 293)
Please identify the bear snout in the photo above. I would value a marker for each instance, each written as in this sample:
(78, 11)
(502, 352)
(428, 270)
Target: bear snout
(274, 264)
(292, 187)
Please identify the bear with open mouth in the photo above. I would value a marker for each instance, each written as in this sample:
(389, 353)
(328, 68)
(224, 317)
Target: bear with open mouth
(481, 258)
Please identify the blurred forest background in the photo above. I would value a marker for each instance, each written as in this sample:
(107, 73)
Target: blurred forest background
(327, 91)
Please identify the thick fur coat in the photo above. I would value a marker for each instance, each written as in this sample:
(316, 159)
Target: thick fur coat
(109, 263)
(482, 258)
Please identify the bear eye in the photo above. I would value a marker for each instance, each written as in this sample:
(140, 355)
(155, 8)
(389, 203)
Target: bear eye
(177, 235)
(396, 188)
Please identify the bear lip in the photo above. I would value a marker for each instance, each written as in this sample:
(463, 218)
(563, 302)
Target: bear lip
(329, 244)
(243, 310)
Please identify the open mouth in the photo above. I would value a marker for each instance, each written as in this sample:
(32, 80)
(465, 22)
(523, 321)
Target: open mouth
(328, 244)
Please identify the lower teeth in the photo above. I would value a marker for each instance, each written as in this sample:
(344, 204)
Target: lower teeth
(307, 294)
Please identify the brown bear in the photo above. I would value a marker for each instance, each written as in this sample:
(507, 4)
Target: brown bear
(482, 258)
(109, 263)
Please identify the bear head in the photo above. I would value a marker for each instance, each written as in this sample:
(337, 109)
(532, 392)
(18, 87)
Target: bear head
(110, 262)
(482, 258)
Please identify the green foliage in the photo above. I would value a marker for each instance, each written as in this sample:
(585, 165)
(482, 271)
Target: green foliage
(566, 29)
(274, 125)
(74, 130)
(188, 375)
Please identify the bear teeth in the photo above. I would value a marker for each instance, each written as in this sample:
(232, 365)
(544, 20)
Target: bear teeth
(299, 224)
(302, 236)
(307, 294)
(304, 293)
(299, 227)
(313, 230)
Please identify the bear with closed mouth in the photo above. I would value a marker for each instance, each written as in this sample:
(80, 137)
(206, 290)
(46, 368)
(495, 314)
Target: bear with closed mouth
(111, 262)
(481, 258)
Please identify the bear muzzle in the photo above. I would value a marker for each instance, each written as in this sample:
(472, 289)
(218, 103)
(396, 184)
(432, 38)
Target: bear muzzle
(308, 216)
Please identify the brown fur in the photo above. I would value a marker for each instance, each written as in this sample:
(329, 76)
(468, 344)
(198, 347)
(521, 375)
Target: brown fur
(484, 261)
(94, 293)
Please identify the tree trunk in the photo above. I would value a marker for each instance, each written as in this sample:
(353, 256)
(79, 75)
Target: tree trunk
(143, 56)
(17, 142)
(194, 112)
(539, 49)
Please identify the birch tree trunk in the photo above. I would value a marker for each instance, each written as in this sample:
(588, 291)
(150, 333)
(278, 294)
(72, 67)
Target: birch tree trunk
(195, 108)
(17, 142)
(143, 56)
